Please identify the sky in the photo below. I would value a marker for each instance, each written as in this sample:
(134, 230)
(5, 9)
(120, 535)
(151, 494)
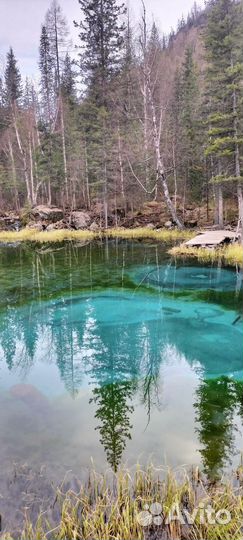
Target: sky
(20, 23)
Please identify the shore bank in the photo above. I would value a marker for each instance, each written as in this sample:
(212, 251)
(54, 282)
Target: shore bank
(230, 254)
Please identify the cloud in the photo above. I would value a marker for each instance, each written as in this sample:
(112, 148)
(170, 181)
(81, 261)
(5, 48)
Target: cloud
(20, 24)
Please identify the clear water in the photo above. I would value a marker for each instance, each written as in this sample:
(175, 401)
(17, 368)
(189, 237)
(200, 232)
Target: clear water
(109, 351)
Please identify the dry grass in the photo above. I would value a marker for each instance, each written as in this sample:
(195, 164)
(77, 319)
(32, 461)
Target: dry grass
(162, 235)
(30, 235)
(107, 508)
(231, 254)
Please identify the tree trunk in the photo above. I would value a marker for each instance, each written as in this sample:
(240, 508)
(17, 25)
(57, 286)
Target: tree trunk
(23, 154)
(237, 167)
(64, 149)
(33, 194)
(219, 215)
(160, 166)
(86, 174)
(120, 163)
(240, 209)
(16, 195)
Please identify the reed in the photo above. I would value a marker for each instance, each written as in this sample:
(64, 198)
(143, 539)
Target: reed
(108, 507)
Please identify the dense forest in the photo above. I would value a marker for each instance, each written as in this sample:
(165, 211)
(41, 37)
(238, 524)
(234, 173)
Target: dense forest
(134, 116)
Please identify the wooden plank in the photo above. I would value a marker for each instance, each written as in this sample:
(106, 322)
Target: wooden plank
(211, 238)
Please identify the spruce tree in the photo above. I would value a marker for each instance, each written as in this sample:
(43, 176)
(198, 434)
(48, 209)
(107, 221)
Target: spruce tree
(190, 131)
(68, 79)
(102, 43)
(46, 80)
(13, 90)
(223, 41)
(102, 40)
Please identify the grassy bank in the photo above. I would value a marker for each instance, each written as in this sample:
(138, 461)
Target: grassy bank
(30, 235)
(231, 254)
(109, 507)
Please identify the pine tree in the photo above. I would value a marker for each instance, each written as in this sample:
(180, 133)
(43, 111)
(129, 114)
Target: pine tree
(13, 90)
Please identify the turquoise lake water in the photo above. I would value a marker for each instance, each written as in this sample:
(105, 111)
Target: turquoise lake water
(111, 352)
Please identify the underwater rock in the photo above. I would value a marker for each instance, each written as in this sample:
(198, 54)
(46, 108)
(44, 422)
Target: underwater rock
(31, 397)
(170, 311)
(208, 313)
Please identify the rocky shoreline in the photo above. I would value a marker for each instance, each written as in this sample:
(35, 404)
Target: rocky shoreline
(152, 215)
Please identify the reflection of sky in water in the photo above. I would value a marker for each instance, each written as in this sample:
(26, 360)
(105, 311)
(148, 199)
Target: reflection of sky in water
(166, 369)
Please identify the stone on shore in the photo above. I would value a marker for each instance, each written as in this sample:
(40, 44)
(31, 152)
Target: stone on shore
(80, 220)
(47, 213)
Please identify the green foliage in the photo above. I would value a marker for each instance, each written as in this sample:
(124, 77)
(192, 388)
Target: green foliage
(221, 178)
(113, 411)
(216, 434)
(187, 125)
(224, 45)
(25, 214)
(102, 39)
(13, 90)
(49, 159)
(46, 80)
(68, 79)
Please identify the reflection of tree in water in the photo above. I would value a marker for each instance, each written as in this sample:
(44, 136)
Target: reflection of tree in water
(113, 412)
(114, 377)
(217, 402)
(70, 368)
(8, 337)
(18, 340)
(150, 369)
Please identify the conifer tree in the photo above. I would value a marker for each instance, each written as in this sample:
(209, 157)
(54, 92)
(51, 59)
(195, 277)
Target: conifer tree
(46, 71)
(190, 130)
(68, 79)
(13, 90)
(114, 408)
(57, 31)
(223, 41)
(102, 40)
(102, 43)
